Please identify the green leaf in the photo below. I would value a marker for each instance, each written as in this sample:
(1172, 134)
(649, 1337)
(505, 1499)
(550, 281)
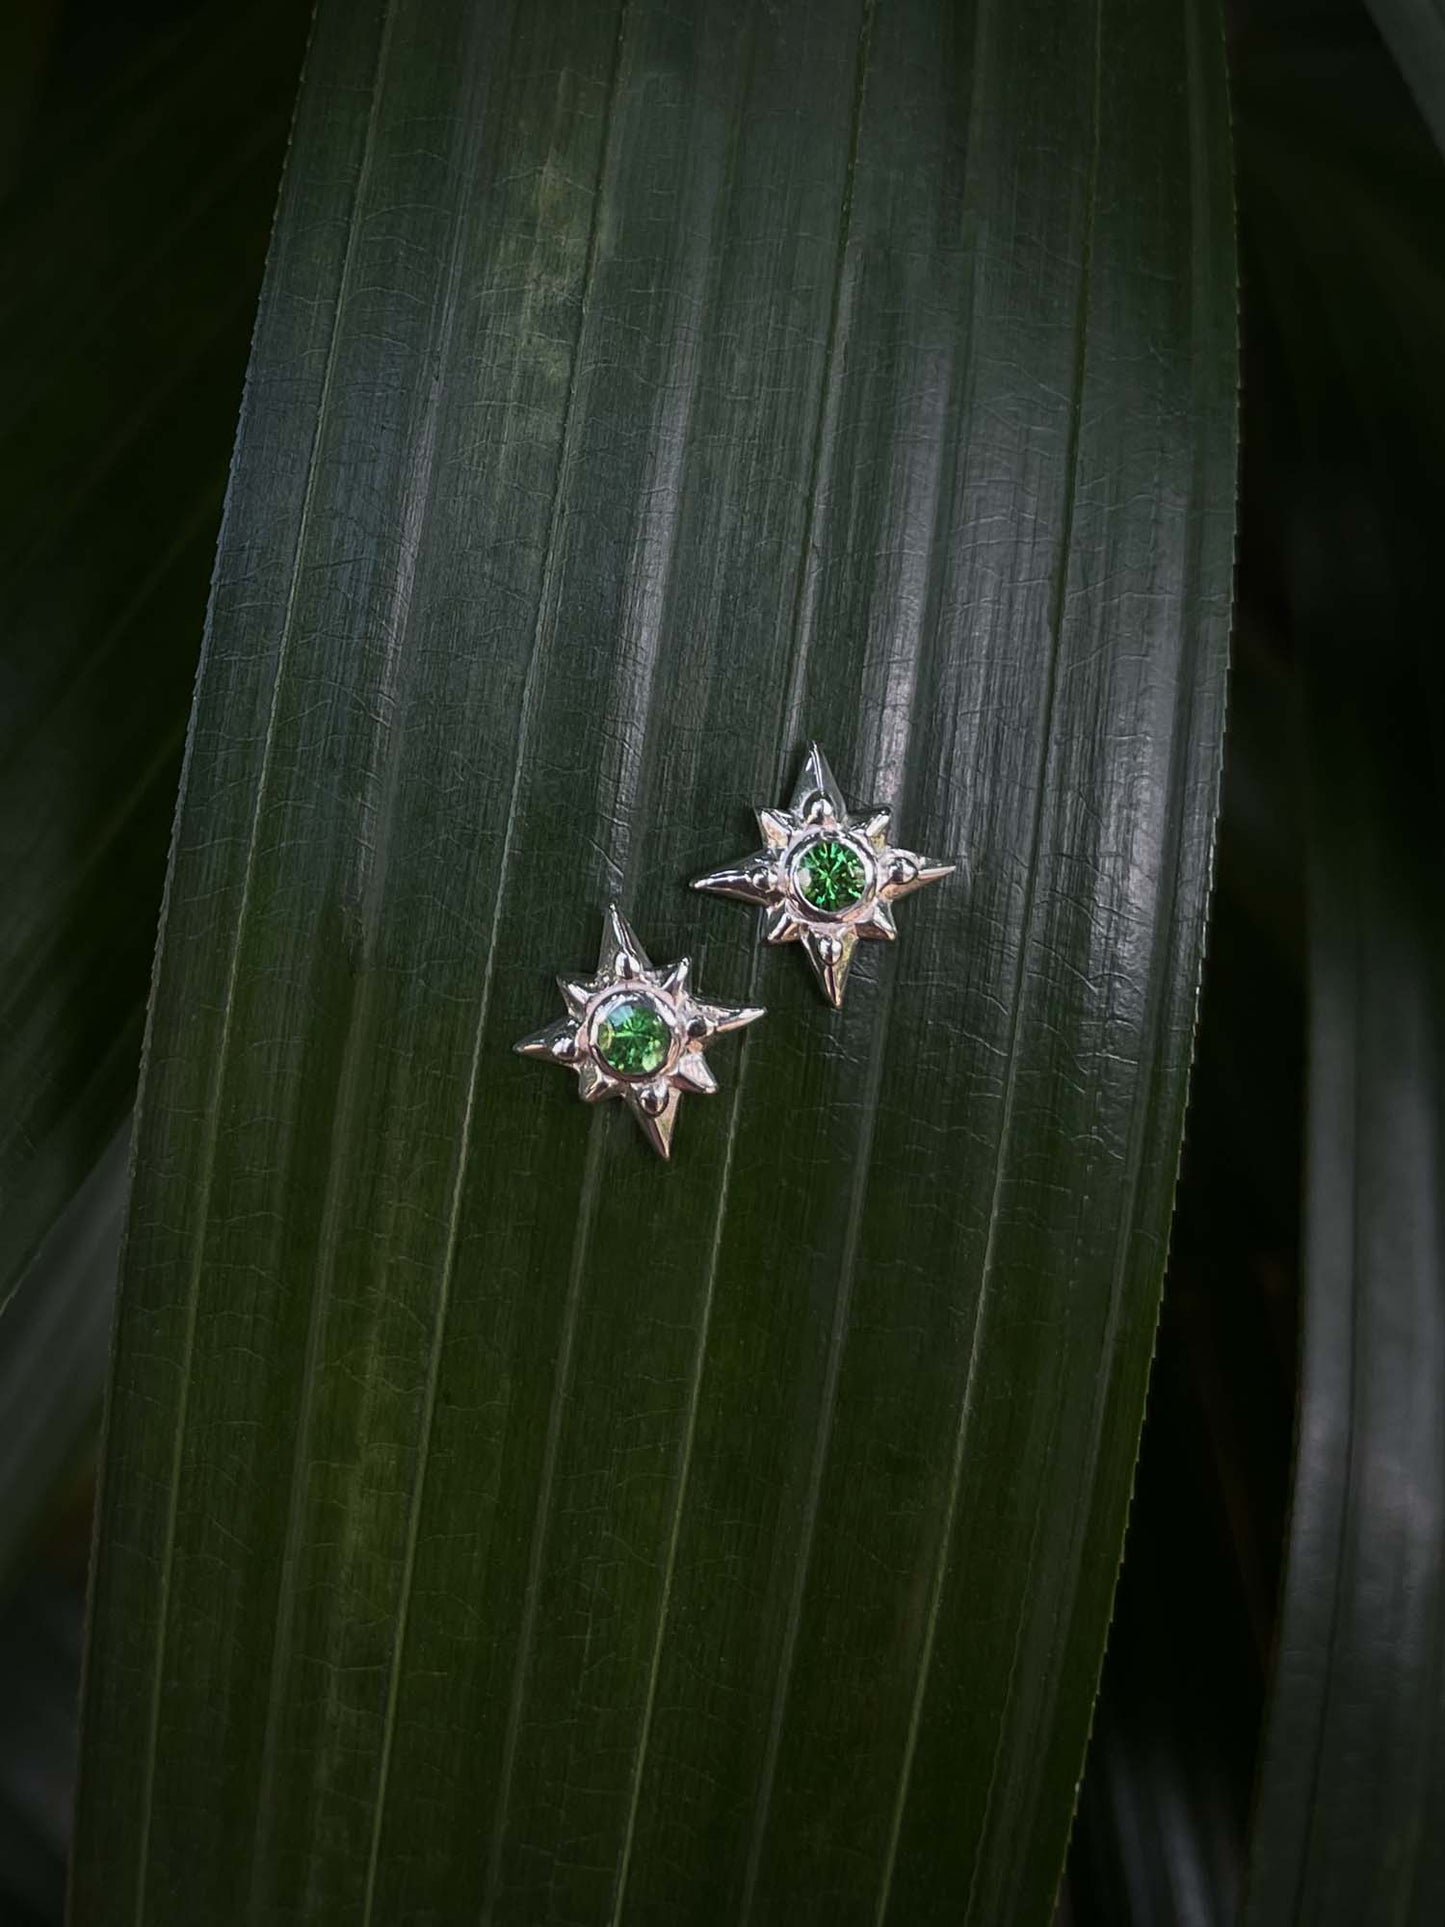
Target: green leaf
(496, 1522)
(129, 256)
(1160, 1835)
(1353, 1773)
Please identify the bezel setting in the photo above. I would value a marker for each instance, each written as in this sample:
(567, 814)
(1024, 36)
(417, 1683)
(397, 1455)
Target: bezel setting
(662, 1009)
(796, 861)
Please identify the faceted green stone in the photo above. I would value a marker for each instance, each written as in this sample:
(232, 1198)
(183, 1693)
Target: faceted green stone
(830, 876)
(632, 1037)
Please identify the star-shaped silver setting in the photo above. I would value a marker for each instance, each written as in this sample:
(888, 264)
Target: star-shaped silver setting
(825, 878)
(637, 1032)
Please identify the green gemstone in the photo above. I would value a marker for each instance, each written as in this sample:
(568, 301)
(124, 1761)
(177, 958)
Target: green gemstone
(633, 1037)
(830, 876)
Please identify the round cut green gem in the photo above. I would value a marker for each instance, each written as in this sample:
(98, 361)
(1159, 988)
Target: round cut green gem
(830, 875)
(632, 1037)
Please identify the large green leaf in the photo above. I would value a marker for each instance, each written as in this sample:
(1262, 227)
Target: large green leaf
(130, 252)
(496, 1522)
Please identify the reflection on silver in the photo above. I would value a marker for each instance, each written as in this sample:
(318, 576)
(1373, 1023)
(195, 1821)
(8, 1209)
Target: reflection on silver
(636, 1032)
(825, 878)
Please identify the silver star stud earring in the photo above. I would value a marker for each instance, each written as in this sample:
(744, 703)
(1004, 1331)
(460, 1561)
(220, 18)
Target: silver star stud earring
(825, 878)
(636, 1032)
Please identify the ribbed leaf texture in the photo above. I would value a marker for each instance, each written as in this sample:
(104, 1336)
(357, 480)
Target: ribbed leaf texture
(498, 1524)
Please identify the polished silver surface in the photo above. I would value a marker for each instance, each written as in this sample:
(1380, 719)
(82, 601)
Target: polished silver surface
(671, 1024)
(875, 873)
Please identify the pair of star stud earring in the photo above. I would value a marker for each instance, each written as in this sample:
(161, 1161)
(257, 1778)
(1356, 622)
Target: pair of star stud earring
(825, 878)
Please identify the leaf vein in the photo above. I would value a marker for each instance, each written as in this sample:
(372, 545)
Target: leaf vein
(1050, 704)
